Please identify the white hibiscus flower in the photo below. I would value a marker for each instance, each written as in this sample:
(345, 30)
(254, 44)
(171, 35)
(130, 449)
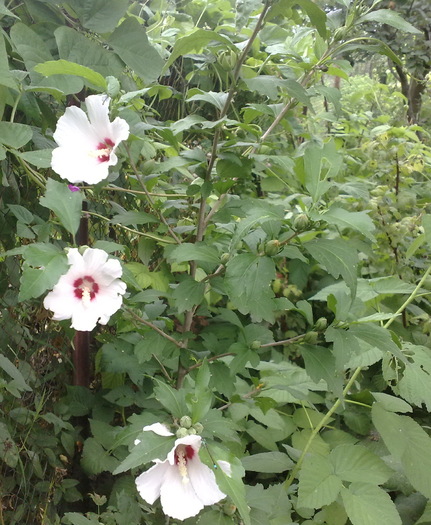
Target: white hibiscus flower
(86, 145)
(90, 292)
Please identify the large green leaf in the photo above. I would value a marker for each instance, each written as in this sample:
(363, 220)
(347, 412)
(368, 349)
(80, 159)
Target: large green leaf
(101, 16)
(95, 459)
(408, 443)
(64, 67)
(320, 364)
(389, 17)
(6, 78)
(248, 280)
(270, 462)
(66, 204)
(318, 485)
(131, 44)
(14, 373)
(15, 135)
(356, 463)
(367, 504)
(355, 220)
(194, 252)
(338, 257)
(188, 294)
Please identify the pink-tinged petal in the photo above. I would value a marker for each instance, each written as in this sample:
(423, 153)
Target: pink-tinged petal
(178, 498)
(74, 130)
(73, 188)
(159, 429)
(150, 482)
(204, 483)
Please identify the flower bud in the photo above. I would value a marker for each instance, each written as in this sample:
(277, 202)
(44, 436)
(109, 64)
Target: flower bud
(272, 247)
(301, 222)
(321, 324)
(181, 433)
(186, 422)
(276, 285)
(224, 258)
(191, 431)
(255, 345)
(198, 427)
(311, 338)
(229, 508)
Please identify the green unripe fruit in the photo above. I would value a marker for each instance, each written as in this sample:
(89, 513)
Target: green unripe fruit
(255, 345)
(186, 422)
(198, 427)
(321, 324)
(181, 433)
(272, 247)
(301, 222)
(311, 338)
(224, 258)
(276, 285)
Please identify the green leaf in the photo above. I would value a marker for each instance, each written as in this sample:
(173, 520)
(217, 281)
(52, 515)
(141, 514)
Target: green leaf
(6, 78)
(367, 504)
(355, 220)
(201, 400)
(21, 213)
(14, 373)
(8, 450)
(67, 205)
(131, 44)
(76, 518)
(216, 99)
(195, 42)
(248, 280)
(194, 252)
(127, 218)
(378, 337)
(269, 462)
(101, 16)
(15, 135)
(408, 443)
(40, 158)
(188, 294)
(317, 16)
(338, 257)
(151, 446)
(389, 17)
(243, 9)
(320, 364)
(64, 67)
(171, 399)
(356, 463)
(318, 485)
(95, 459)
(391, 403)
(415, 385)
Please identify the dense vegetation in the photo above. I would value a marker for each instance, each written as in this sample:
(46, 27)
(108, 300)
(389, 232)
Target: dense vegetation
(270, 209)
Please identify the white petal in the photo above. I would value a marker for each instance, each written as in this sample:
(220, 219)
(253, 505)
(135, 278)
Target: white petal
(98, 113)
(74, 130)
(203, 480)
(150, 482)
(225, 466)
(94, 260)
(178, 499)
(158, 428)
(74, 257)
(119, 130)
(111, 270)
(79, 164)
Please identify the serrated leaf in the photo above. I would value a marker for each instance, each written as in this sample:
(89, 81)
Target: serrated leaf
(171, 399)
(248, 280)
(151, 446)
(338, 257)
(188, 294)
(318, 485)
(355, 220)
(408, 443)
(367, 504)
(415, 385)
(389, 17)
(194, 252)
(320, 364)
(66, 204)
(269, 462)
(95, 459)
(356, 463)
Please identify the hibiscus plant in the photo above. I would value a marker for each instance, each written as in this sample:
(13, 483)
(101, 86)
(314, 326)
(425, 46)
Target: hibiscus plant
(214, 275)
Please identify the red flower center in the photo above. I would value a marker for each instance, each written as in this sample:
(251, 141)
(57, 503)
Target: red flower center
(184, 453)
(85, 288)
(104, 149)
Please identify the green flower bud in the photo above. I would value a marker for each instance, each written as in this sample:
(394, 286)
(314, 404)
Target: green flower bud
(186, 422)
(229, 508)
(311, 338)
(198, 427)
(181, 433)
(321, 324)
(276, 285)
(301, 222)
(224, 258)
(255, 345)
(191, 431)
(272, 247)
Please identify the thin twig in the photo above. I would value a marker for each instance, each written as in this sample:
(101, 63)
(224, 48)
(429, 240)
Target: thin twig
(284, 342)
(150, 199)
(164, 371)
(138, 192)
(153, 327)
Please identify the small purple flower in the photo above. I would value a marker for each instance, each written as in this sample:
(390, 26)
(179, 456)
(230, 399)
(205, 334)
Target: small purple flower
(73, 188)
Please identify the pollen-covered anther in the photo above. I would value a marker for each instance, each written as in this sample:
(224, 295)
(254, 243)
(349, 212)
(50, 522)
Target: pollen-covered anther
(181, 461)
